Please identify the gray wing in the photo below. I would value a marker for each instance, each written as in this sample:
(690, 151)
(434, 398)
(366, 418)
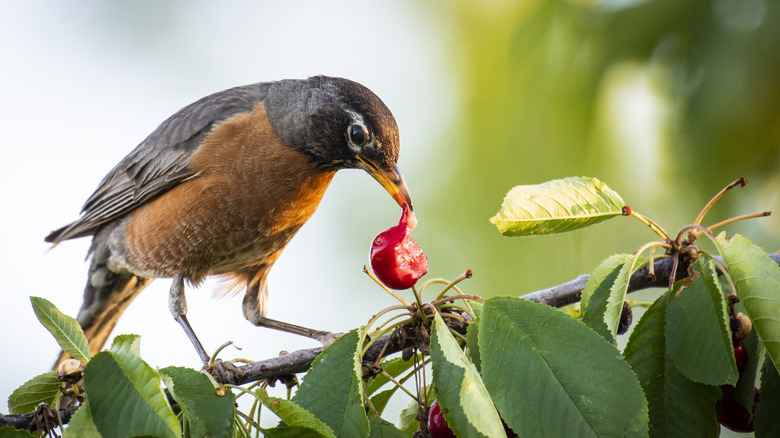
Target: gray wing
(160, 161)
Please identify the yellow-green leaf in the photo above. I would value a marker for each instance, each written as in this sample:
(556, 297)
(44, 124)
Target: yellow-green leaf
(465, 401)
(556, 207)
(65, 329)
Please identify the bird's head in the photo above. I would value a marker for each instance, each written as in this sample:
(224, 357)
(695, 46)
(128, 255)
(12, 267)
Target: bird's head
(339, 124)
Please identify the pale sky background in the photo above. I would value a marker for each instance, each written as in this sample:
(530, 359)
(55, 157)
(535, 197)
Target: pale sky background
(84, 82)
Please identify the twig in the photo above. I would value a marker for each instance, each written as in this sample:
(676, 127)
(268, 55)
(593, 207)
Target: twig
(570, 292)
(25, 421)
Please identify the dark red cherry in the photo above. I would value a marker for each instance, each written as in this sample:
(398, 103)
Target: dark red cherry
(437, 425)
(395, 258)
(733, 416)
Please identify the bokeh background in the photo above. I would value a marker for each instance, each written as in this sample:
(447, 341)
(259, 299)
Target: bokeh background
(667, 101)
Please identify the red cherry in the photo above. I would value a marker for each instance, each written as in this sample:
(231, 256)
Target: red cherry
(437, 425)
(732, 415)
(395, 258)
(740, 354)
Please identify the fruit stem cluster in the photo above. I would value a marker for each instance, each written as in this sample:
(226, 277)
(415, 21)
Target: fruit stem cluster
(683, 243)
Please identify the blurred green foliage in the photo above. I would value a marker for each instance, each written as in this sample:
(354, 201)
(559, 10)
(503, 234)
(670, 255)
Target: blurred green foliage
(666, 101)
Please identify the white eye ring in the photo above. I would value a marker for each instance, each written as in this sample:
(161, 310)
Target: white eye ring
(357, 133)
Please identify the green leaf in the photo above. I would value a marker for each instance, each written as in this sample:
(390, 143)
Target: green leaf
(472, 340)
(11, 432)
(65, 329)
(599, 277)
(597, 291)
(698, 339)
(41, 388)
(380, 400)
(81, 424)
(556, 207)
(293, 415)
(407, 418)
(757, 280)
(476, 306)
(395, 367)
(384, 429)
(291, 432)
(465, 402)
(767, 421)
(331, 389)
(743, 392)
(125, 394)
(617, 294)
(207, 413)
(550, 375)
(677, 405)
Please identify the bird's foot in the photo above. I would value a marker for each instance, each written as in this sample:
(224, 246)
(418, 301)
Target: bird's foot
(326, 338)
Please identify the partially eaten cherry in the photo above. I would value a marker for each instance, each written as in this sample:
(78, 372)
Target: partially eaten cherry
(396, 259)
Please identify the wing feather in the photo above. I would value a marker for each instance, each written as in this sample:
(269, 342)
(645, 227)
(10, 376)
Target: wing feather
(160, 161)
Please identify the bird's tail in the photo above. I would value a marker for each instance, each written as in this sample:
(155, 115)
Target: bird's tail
(106, 296)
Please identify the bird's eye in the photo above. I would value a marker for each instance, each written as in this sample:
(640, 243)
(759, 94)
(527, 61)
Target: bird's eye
(357, 133)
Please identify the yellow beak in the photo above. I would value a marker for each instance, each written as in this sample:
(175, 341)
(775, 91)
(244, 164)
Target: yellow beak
(391, 180)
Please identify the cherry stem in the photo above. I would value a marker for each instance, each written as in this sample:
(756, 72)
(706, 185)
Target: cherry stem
(653, 246)
(651, 259)
(438, 281)
(739, 218)
(441, 301)
(449, 286)
(420, 308)
(389, 309)
(739, 182)
(246, 417)
(57, 403)
(381, 332)
(673, 273)
(370, 406)
(400, 385)
(387, 289)
(694, 231)
(420, 370)
(248, 391)
(651, 262)
(653, 226)
(635, 303)
(733, 297)
(219, 350)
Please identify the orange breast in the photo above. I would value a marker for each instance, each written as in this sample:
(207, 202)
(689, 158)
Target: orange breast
(249, 196)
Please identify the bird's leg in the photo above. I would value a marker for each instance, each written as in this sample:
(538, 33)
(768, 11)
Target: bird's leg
(253, 304)
(326, 338)
(177, 302)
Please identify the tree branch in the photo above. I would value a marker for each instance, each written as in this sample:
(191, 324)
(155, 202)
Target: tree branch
(31, 420)
(570, 293)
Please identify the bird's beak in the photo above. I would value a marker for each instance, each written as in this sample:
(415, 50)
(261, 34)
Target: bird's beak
(391, 180)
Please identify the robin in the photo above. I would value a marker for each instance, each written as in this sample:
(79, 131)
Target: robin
(221, 187)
